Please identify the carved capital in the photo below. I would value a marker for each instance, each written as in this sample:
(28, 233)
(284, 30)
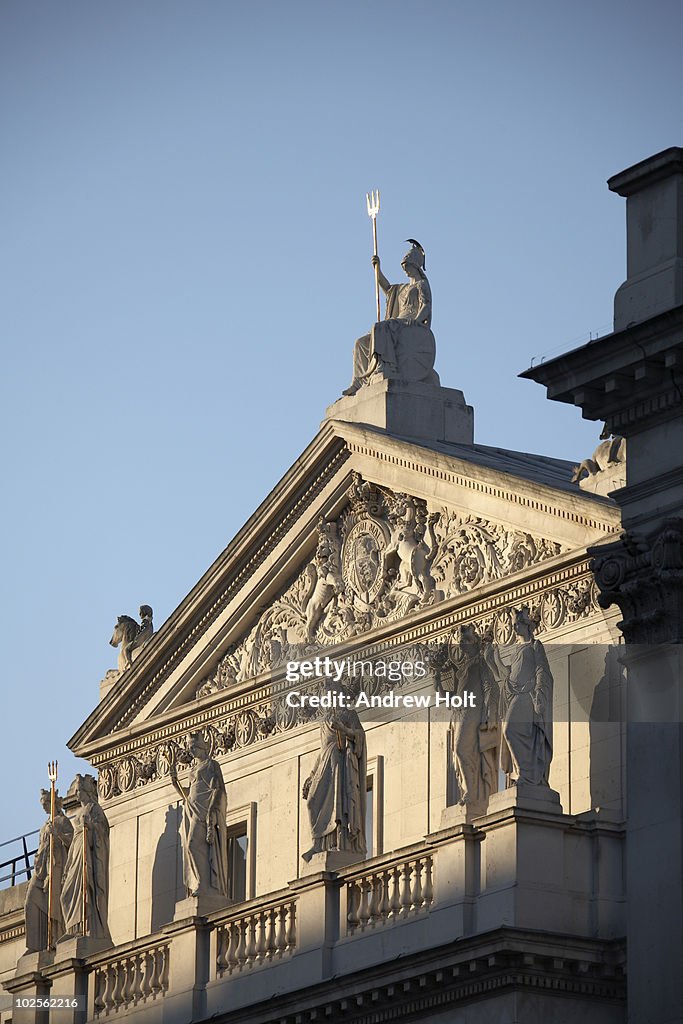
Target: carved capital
(643, 575)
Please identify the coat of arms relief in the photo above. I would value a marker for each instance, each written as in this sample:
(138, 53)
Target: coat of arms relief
(384, 556)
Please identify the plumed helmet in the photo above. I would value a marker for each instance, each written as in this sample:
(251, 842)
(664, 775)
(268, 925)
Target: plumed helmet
(415, 255)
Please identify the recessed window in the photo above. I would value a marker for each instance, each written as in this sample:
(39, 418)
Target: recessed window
(238, 850)
(370, 817)
(374, 809)
(241, 823)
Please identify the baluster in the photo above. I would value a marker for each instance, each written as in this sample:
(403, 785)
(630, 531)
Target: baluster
(261, 941)
(138, 965)
(364, 909)
(375, 899)
(405, 889)
(155, 983)
(416, 895)
(281, 937)
(100, 989)
(116, 997)
(251, 940)
(428, 888)
(126, 987)
(108, 993)
(395, 909)
(164, 953)
(291, 926)
(271, 928)
(353, 897)
(241, 951)
(233, 945)
(221, 950)
(385, 903)
(147, 973)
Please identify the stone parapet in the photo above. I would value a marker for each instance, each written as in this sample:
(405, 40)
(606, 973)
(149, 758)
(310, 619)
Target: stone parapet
(523, 866)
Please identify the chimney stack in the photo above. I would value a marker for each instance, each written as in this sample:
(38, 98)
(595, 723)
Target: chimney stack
(653, 190)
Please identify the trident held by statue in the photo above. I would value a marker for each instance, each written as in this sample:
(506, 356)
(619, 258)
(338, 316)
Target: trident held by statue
(372, 199)
(52, 776)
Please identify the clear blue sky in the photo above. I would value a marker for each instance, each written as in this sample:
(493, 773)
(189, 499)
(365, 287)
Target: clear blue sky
(184, 267)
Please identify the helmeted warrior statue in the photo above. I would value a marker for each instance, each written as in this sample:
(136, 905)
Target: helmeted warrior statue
(402, 346)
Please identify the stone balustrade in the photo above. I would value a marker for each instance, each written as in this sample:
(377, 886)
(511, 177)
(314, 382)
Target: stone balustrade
(261, 934)
(124, 981)
(531, 871)
(389, 892)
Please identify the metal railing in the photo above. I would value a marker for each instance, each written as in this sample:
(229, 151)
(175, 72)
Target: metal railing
(24, 857)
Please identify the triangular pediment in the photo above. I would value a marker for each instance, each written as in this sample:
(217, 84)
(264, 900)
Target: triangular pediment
(365, 532)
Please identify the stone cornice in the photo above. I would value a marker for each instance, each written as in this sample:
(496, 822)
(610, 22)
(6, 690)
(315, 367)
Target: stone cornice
(624, 378)
(434, 980)
(589, 511)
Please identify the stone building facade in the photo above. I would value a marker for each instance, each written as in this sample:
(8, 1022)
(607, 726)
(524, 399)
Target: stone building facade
(391, 532)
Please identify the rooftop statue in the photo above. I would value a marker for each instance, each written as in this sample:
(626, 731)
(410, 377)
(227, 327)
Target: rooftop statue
(402, 346)
(132, 635)
(37, 899)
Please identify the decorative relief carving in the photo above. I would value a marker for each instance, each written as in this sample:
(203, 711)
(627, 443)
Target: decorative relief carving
(385, 555)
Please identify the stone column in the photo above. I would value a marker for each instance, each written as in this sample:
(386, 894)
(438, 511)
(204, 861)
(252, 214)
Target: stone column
(633, 380)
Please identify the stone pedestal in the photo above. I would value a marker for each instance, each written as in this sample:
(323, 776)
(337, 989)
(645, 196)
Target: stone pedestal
(68, 975)
(29, 983)
(523, 795)
(317, 912)
(461, 814)
(200, 906)
(188, 967)
(423, 411)
(330, 860)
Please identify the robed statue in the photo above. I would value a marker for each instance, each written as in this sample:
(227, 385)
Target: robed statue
(475, 729)
(527, 707)
(335, 791)
(402, 346)
(85, 885)
(203, 830)
(37, 893)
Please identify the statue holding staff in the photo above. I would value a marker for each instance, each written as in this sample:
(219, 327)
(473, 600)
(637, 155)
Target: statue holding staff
(203, 831)
(48, 871)
(402, 346)
(85, 885)
(335, 791)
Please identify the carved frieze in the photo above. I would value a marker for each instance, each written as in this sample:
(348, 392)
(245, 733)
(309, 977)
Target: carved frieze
(385, 555)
